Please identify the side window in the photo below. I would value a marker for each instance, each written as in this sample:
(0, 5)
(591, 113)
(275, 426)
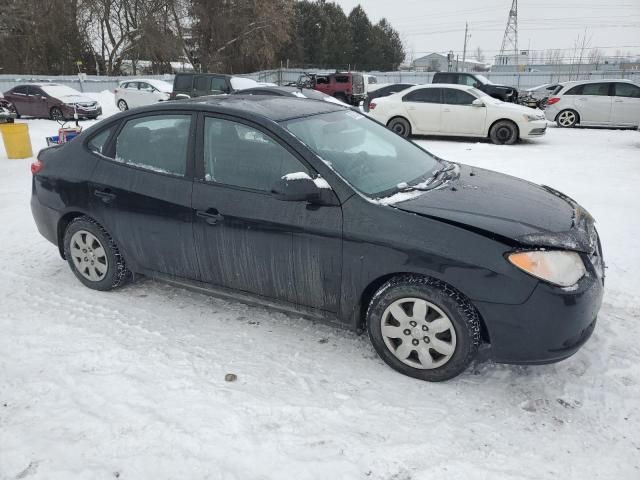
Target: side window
(424, 95)
(239, 155)
(202, 84)
(20, 90)
(322, 80)
(99, 141)
(342, 79)
(457, 97)
(183, 82)
(577, 90)
(158, 143)
(145, 87)
(627, 90)
(36, 91)
(468, 80)
(599, 89)
(218, 84)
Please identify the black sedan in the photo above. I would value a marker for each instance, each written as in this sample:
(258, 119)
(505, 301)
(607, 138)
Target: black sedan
(314, 209)
(385, 91)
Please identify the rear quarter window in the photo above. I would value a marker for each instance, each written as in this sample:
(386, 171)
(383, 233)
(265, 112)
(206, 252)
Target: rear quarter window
(98, 142)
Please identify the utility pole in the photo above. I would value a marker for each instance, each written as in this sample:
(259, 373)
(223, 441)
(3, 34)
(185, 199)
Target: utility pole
(464, 51)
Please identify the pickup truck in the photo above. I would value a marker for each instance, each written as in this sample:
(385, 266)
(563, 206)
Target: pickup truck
(501, 92)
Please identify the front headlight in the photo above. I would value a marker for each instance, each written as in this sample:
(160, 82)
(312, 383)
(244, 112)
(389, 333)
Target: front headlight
(531, 118)
(561, 268)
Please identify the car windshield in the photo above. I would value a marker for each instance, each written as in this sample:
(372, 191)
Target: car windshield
(373, 159)
(484, 79)
(58, 91)
(240, 83)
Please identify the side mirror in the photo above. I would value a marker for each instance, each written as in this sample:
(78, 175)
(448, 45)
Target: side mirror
(182, 96)
(477, 103)
(300, 187)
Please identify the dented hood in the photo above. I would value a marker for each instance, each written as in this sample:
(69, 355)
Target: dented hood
(499, 205)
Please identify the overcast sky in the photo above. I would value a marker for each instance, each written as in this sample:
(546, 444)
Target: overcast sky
(437, 26)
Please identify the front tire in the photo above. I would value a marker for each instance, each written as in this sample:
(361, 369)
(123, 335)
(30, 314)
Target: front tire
(423, 328)
(93, 255)
(401, 126)
(567, 119)
(504, 132)
(56, 114)
(122, 105)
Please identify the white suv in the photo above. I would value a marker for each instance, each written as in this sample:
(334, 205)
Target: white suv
(611, 103)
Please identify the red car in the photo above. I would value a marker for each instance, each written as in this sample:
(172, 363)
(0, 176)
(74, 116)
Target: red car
(52, 100)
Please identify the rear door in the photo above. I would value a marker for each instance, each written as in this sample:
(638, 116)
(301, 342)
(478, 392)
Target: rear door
(594, 104)
(424, 109)
(459, 116)
(626, 105)
(142, 190)
(20, 99)
(248, 240)
(38, 102)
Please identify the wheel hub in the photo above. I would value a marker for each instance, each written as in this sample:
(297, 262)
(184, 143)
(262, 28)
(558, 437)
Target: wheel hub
(88, 255)
(418, 333)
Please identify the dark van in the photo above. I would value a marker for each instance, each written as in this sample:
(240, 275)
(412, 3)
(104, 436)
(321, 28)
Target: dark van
(202, 84)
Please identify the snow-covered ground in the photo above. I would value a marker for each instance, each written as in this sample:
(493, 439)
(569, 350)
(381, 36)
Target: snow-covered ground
(130, 384)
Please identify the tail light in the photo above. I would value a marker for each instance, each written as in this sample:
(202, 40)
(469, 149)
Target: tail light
(115, 90)
(36, 167)
(553, 100)
(372, 106)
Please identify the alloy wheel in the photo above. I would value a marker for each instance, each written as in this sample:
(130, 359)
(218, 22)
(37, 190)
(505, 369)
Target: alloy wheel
(567, 118)
(418, 333)
(89, 256)
(122, 105)
(56, 114)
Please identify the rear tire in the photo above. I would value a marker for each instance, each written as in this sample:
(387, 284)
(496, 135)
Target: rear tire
(401, 126)
(423, 328)
(567, 119)
(93, 255)
(122, 105)
(504, 132)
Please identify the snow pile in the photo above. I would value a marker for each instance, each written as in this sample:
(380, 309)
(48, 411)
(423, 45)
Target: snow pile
(131, 384)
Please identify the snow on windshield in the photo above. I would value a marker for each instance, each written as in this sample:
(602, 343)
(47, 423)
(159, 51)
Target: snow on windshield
(240, 83)
(160, 85)
(58, 91)
(484, 79)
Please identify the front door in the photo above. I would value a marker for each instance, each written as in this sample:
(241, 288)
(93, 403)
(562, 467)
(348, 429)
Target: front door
(248, 240)
(142, 192)
(424, 108)
(626, 105)
(459, 116)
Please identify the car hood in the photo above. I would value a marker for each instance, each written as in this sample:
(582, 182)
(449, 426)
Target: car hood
(76, 99)
(507, 208)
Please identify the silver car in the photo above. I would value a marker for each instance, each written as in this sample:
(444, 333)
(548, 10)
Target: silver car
(598, 103)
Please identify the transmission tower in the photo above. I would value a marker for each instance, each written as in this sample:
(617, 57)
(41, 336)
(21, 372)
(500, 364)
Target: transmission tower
(510, 40)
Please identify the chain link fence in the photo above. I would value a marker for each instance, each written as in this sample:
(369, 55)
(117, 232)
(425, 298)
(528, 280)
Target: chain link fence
(282, 76)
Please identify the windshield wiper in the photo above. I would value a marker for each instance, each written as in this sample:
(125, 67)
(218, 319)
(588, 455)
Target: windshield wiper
(447, 172)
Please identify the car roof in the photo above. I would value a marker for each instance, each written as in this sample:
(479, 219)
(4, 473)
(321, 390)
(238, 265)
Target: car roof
(604, 80)
(275, 108)
(457, 86)
(150, 81)
(39, 84)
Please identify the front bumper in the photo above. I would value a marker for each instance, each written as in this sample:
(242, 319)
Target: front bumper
(533, 129)
(68, 112)
(551, 325)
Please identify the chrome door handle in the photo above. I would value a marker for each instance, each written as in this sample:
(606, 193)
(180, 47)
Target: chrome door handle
(619, 101)
(446, 110)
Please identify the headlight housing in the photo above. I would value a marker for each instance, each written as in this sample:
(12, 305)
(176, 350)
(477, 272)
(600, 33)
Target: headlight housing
(562, 268)
(531, 118)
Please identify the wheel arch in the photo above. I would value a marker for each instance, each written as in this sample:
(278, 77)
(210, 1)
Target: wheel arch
(370, 290)
(63, 223)
(402, 117)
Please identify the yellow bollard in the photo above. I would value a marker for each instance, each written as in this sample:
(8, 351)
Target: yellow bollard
(16, 139)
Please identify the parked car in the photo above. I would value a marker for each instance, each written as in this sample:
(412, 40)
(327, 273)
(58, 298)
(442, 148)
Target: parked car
(7, 112)
(501, 92)
(188, 85)
(289, 92)
(457, 110)
(596, 103)
(140, 92)
(348, 87)
(312, 208)
(385, 91)
(52, 100)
